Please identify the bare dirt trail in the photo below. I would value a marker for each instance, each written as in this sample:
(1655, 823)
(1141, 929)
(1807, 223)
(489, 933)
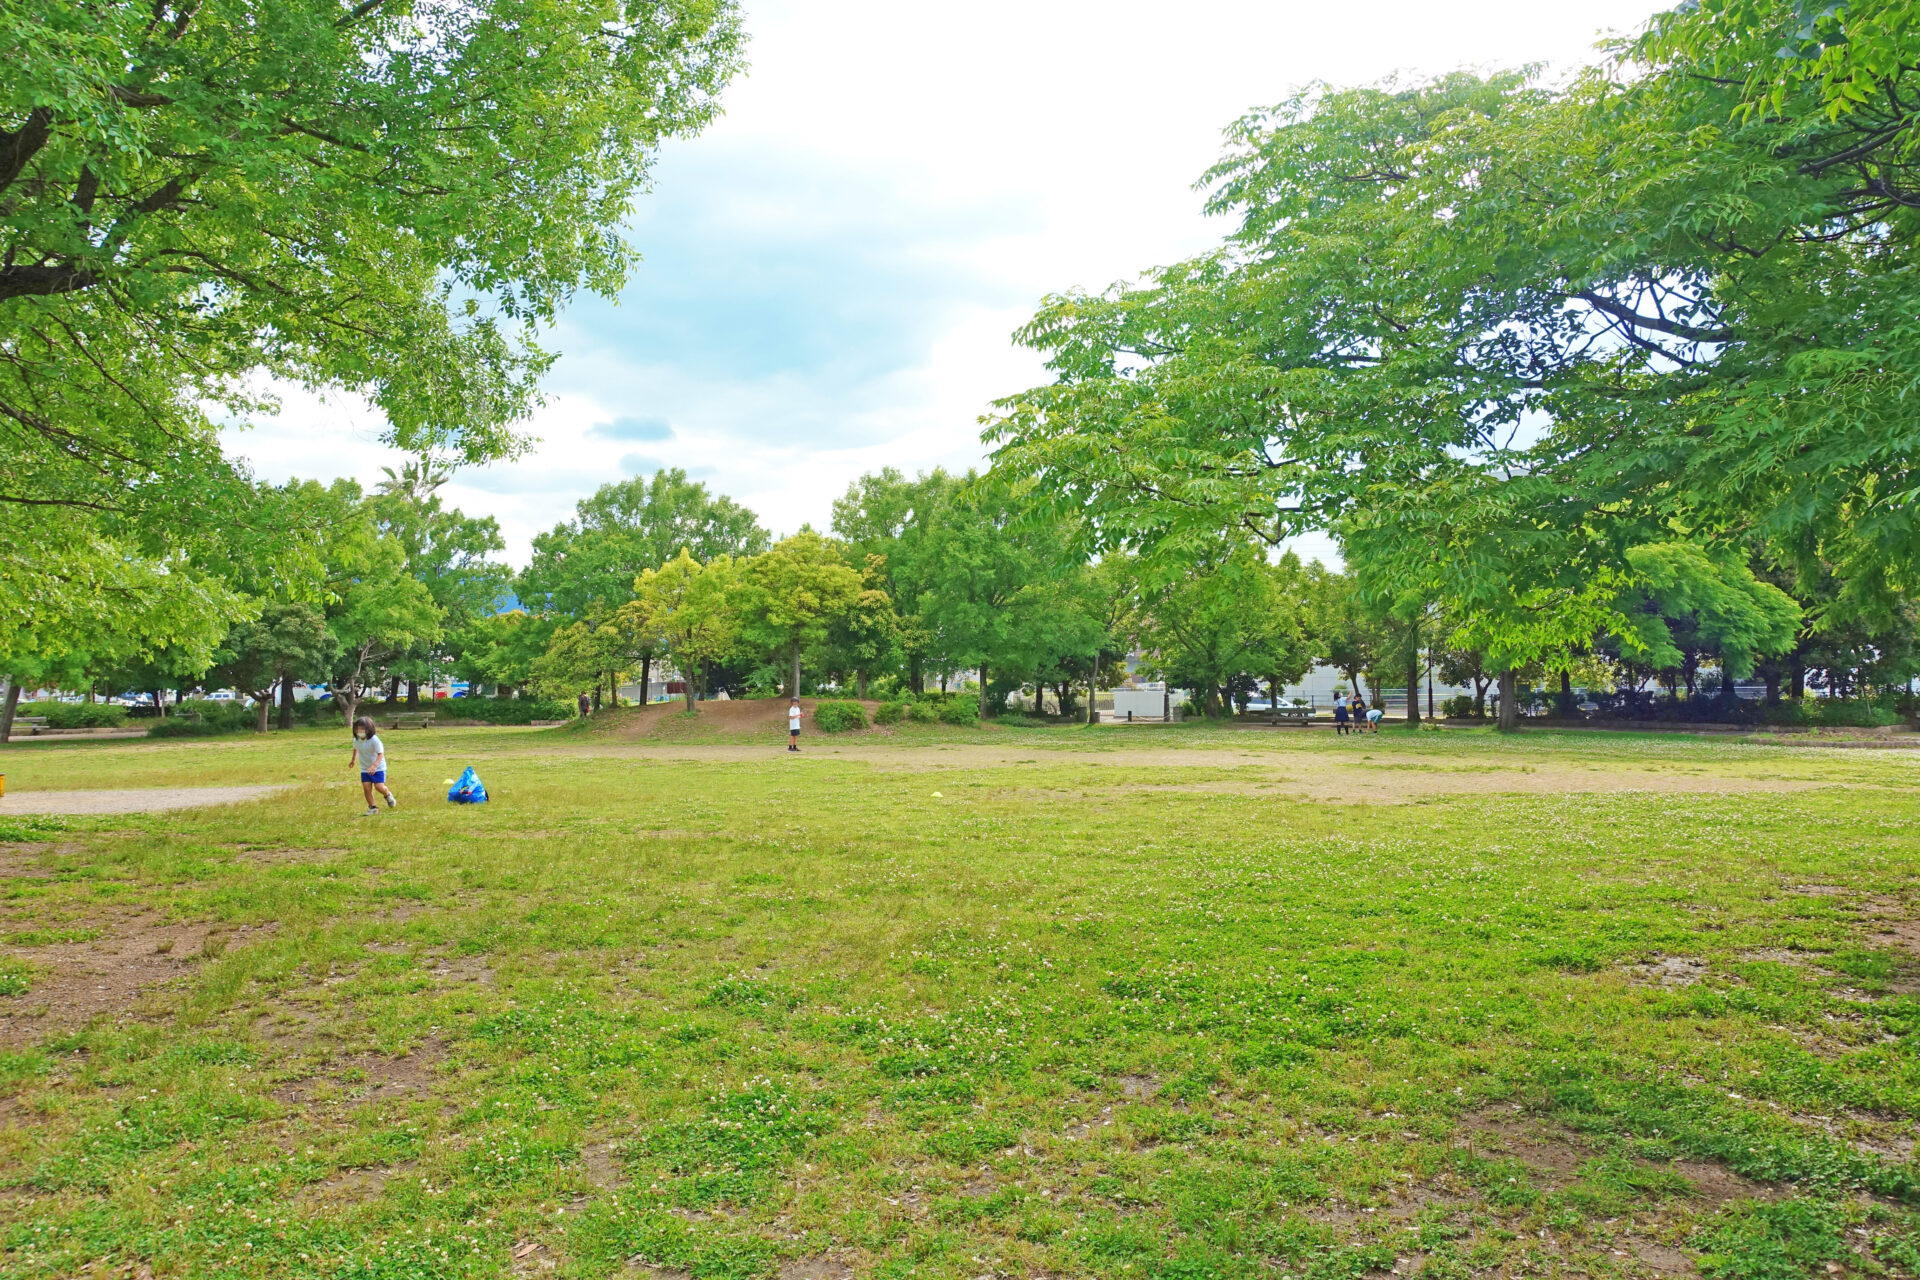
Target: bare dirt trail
(141, 800)
(1284, 774)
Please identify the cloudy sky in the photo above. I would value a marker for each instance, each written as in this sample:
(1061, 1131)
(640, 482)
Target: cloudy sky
(832, 271)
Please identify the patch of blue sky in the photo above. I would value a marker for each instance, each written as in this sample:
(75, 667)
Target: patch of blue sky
(764, 270)
(632, 429)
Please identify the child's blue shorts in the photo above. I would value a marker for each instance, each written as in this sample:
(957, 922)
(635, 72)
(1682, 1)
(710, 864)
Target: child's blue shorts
(378, 775)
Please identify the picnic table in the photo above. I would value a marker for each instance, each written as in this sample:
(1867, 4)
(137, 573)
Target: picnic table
(1279, 715)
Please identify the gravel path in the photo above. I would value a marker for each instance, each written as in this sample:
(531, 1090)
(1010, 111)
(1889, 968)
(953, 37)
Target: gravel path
(146, 800)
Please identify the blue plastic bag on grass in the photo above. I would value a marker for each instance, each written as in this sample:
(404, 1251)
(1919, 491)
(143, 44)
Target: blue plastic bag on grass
(468, 789)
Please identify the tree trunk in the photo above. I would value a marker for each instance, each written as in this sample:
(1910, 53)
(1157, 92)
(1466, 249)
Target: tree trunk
(860, 684)
(1413, 684)
(286, 702)
(646, 679)
(613, 689)
(1799, 674)
(916, 676)
(983, 691)
(159, 703)
(686, 683)
(1566, 694)
(596, 693)
(348, 702)
(1509, 719)
(7, 709)
(413, 694)
(793, 688)
(1093, 689)
(263, 703)
(1773, 684)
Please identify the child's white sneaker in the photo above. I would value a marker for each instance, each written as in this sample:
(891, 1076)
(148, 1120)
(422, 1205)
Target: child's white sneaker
(392, 803)
(371, 811)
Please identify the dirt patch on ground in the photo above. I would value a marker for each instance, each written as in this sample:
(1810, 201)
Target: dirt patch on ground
(1557, 1157)
(1280, 774)
(1339, 781)
(367, 1077)
(532, 1258)
(1664, 1259)
(75, 982)
(145, 800)
(1506, 1132)
(22, 861)
(1668, 971)
(601, 1163)
(274, 857)
(815, 1269)
(347, 1187)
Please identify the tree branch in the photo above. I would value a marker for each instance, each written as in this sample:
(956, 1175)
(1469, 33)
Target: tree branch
(1622, 312)
(20, 146)
(38, 280)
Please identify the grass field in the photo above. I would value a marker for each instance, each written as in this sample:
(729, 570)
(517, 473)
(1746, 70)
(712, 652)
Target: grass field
(1173, 1003)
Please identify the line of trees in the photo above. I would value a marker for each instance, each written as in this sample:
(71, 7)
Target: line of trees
(919, 579)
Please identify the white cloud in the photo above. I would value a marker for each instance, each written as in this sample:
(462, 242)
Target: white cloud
(832, 273)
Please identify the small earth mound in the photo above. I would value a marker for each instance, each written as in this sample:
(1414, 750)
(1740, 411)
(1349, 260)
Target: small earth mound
(744, 719)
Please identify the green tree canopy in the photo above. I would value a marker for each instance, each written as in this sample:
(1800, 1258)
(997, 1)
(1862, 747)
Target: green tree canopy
(627, 528)
(378, 197)
(1236, 618)
(793, 594)
(695, 607)
(286, 642)
(888, 516)
(1497, 336)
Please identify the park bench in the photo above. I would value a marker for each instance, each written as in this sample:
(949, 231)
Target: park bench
(408, 719)
(1278, 715)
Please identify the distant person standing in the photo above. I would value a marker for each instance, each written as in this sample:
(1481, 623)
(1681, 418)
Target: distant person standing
(1340, 714)
(586, 705)
(793, 725)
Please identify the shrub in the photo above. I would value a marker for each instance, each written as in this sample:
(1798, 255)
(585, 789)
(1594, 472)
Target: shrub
(1852, 715)
(838, 716)
(923, 712)
(890, 713)
(500, 710)
(959, 711)
(1787, 711)
(1458, 705)
(76, 715)
(200, 717)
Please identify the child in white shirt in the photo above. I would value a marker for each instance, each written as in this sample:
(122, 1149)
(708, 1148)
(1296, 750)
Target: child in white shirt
(371, 755)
